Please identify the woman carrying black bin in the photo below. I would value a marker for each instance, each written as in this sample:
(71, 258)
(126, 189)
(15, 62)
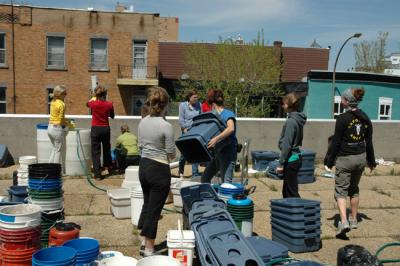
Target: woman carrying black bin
(289, 143)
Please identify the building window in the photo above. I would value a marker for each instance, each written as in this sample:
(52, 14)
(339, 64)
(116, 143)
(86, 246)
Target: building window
(337, 107)
(49, 91)
(99, 54)
(139, 59)
(3, 100)
(3, 49)
(385, 108)
(55, 52)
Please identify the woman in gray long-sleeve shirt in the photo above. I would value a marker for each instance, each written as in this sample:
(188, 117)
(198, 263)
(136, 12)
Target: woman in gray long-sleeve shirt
(156, 140)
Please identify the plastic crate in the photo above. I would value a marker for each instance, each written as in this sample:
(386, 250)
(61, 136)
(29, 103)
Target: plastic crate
(267, 249)
(300, 245)
(262, 159)
(193, 143)
(297, 227)
(296, 203)
(297, 243)
(197, 192)
(297, 219)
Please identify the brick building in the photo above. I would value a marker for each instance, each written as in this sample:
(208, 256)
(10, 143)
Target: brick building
(75, 48)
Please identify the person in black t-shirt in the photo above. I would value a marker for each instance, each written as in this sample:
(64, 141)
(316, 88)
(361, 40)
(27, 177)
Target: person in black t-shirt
(352, 149)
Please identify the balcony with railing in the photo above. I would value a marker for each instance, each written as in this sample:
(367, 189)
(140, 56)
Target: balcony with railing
(137, 75)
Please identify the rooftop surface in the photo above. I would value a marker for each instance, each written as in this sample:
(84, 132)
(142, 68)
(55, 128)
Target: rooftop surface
(379, 212)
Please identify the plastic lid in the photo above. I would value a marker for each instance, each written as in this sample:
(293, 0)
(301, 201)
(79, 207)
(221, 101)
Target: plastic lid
(119, 193)
(176, 235)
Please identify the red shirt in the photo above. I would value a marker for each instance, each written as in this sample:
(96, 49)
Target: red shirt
(205, 107)
(101, 111)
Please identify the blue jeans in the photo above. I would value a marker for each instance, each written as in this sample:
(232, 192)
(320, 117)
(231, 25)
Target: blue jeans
(195, 167)
(224, 162)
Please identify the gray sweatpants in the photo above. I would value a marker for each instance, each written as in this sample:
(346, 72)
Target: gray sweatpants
(348, 174)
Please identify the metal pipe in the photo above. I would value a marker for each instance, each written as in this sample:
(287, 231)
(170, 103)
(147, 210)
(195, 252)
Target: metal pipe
(355, 35)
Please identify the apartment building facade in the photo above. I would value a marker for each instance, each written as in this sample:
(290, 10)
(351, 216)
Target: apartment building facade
(44, 47)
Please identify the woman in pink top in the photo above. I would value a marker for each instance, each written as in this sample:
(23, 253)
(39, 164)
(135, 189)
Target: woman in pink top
(100, 132)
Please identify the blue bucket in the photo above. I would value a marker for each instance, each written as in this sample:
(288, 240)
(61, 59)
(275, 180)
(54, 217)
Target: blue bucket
(87, 249)
(55, 256)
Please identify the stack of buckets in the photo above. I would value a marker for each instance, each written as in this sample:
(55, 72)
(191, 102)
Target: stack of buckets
(136, 204)
(87, 250)
(241, 210)
(45, 190)
(228, 190)
(19, 234)
(64, 256)
(24, 162)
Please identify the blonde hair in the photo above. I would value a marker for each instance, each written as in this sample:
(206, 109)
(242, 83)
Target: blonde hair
(158, 99)
(58, 91)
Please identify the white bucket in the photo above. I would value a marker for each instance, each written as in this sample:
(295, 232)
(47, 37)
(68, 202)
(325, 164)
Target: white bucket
(20, 214)
(73, 164)
(27, 160)
(48, 204)
(44, 145)
(181, 244)
(132, 173)
(130, 184)
(118, 261)
(176, 191)
(158, 261)
(247, 228)
(136, 204)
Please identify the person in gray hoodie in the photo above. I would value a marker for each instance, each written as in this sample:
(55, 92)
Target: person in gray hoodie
(290, 142)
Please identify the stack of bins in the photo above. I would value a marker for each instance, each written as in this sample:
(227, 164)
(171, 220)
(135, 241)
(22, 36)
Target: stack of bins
(261, 159)
(193, 144)
(306, 172)
(218, 241)
(191, 194)
(45, 190)
(296, 223)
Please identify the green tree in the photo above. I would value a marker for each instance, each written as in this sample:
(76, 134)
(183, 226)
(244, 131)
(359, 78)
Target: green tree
(370, 55)
(248, 73)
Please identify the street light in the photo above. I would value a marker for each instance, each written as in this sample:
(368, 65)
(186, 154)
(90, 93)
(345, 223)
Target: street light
(355, 35)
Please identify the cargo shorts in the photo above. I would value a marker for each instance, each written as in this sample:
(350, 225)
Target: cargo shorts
(349, 169)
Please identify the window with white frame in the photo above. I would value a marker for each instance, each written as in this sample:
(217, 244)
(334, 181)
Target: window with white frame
(99, 54)
(337, 107)
(49, 92)
(3, 49)
(56, 52)
(385, 108)
(3, 100)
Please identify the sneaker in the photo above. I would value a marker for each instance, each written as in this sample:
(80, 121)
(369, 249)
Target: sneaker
(342, 229)
(148, 253)
(353, 223)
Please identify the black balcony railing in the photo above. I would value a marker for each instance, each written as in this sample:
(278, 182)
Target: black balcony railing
(137, 72)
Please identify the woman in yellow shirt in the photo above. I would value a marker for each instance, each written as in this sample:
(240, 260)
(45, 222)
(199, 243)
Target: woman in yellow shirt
(57, 124)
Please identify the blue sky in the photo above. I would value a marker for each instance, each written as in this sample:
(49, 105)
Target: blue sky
(294, 22)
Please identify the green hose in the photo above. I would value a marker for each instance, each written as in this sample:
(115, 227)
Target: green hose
(378, 252)
(84, 165)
